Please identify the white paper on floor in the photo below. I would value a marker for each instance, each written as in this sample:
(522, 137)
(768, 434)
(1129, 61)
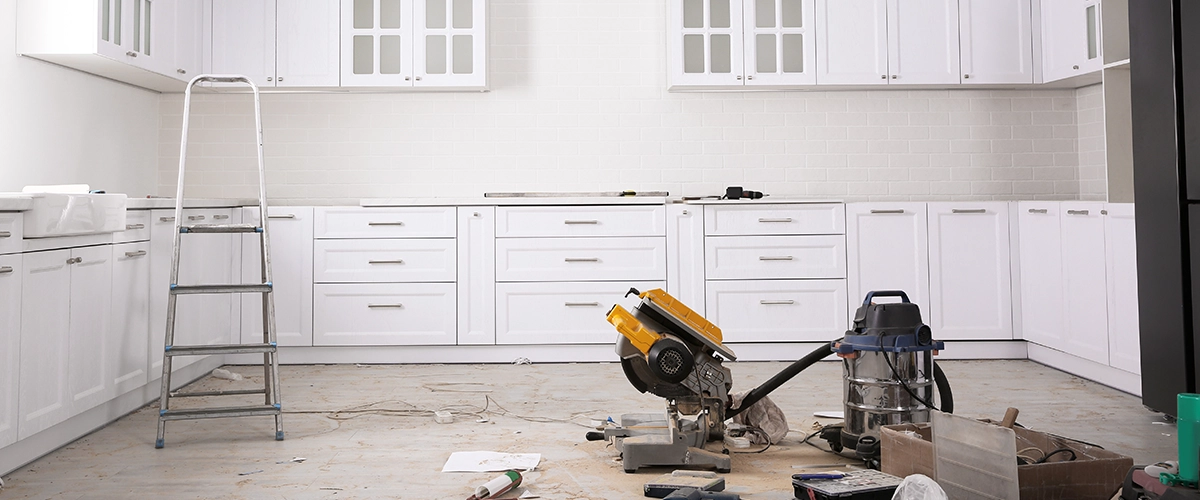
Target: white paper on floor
(490, 461)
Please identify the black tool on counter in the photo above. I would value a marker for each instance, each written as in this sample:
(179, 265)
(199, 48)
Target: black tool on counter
(737, 193)
(689, 485)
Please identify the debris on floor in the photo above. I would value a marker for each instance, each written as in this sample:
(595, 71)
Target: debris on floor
(490, 461)
(224, 374)
(249, 472)
(522, 361)
(498, 486)
(297, 460)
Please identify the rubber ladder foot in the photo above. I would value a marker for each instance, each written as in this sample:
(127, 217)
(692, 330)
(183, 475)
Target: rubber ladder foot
(158, 444)
(279, 435)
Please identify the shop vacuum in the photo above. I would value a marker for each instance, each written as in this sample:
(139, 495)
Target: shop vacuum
(670, 351)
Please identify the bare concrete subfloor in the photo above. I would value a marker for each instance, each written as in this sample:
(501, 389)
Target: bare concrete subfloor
(529, 409)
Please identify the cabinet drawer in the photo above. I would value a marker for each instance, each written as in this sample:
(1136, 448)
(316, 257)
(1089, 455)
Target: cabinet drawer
(10, 232)
(736, 220)
(778, 310)
(769, 257)
(407, 222)
(364, 261)
(581, 259)
(137, 227)
(633, 220)
(384, 314)
(561, 313)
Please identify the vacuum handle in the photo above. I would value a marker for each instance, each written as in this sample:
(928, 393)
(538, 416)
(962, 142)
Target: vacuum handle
(886, 293)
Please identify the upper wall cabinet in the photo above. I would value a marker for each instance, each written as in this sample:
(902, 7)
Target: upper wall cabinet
(995, 41)
(126, 40)
(414, 43)
(862, 42)
(741, 42)
(290, 43)
(1071, 38)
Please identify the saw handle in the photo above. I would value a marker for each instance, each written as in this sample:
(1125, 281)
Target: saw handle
(594, 436)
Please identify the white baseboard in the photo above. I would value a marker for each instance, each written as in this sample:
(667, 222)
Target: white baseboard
(1091, 370)
(27, 450)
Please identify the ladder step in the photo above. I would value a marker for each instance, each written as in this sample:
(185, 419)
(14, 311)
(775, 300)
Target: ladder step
(217, 393)
(241, 288)
(221, 228)
(220, 412)
(202, 350)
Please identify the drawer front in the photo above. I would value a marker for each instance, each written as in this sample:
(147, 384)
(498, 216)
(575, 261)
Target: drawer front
(367, 261)
(561, 313)
(10, 232)
(137, 227)
(581, 259)
(407, 222)
(384, 314)
(632, 220)
(778, 310)
(737, 220)
(774, 257)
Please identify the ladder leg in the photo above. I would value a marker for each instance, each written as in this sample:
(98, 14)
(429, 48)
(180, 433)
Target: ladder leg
(165, 396)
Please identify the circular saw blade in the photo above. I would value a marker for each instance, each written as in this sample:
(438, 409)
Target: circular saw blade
(639, 375)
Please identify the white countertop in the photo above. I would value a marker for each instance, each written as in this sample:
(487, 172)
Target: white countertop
(504, 201)
(148, 203)
(769, 200)
(15, 203)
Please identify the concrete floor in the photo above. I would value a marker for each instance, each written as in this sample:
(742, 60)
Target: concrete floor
(398, 451)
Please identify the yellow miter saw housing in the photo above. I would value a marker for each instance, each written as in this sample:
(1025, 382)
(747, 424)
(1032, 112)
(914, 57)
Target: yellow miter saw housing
(669, 350)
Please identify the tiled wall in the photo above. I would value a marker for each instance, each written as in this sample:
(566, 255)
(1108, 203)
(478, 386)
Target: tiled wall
(1093, 174)
(578, 103)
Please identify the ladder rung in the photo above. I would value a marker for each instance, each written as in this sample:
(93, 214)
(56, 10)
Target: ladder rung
(217, 393)
(221, 228)
(194, 289)
(229, 411)
(201, 350)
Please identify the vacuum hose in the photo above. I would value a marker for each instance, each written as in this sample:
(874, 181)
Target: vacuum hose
(943, 388)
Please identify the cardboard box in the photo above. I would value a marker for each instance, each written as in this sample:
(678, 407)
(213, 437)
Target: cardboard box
(1095, 473)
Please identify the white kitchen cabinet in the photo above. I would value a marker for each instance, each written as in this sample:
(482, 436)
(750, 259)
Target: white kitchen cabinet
(1071, 38)
(887, 249)
(775, 257)
(383, 261)
(995, 41)
(1085, 291)
(742, 42)
(685, 254)
(923, 41)
(129, 337)
(1124, 343)
(185, 38)
(290, 230)
(11, 274)
(852, 42)
(581, 259)
(89, 341)
(1042, 287)
(11, 230)
(809, 310)
(414, 43)
(970, 286)
(384, 314)
(476, 275)
(291, 43)
(561, 313)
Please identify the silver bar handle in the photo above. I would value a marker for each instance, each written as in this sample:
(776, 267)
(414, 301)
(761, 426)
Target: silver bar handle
(138, 253)
(895, 211)
(195, 217)
(166, 219)
(5, 234)
(776, 302)
(776, 257)
(282, 216)
(6, 269)
(582, 259)
(573, 222)
(219, 217)
(581, 304)
(74, 260)
(968, 210)
(385, 306)
(1077, 212)
(397, 261)
(1038, 211)
(774, 219)
(131, 227)
(396, 223)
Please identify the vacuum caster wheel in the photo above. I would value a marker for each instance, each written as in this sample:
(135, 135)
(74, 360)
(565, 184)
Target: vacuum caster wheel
(723, 470)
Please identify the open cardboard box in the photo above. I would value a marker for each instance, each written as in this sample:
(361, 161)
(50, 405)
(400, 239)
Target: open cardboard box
(1095, 473)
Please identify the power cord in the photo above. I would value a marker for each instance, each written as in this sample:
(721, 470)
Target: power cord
(901, 380)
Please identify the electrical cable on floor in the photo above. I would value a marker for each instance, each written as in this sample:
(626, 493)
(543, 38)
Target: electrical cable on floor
(412, 410)
(903, 383)
(807, 440)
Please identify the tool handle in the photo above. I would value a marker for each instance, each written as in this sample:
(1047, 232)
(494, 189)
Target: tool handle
(885, 293)
(595, 436)
(1010, 418)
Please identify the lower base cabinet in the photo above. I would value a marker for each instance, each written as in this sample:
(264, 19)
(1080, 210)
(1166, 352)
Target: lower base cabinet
(778, 310)
(365, 314)
(562, 313)
(11, 274)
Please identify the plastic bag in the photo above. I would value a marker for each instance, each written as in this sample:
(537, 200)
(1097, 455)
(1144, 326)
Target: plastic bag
(919, 487)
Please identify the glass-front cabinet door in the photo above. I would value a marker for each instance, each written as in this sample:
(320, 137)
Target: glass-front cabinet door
(376, 43)
(779, 48)
(730, 43)
(706, 43)
(449, 45)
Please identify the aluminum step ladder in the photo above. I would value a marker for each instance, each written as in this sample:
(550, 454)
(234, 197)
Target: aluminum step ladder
(268, 347)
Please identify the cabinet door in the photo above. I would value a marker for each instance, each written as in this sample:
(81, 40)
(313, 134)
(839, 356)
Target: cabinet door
(88, 343)
(887, 249)
(970, 290)
(1124, 346)
(476, 275)
(162, 227)
(685, 254)
(115, 37)
(204, 259)
(376, 43)
(706, 42)
(923, 41)
(306, 43)
(995, 41)
(852, 42)
(243, 39)
(1086, 288)
(186, 39)
(10, 345)
(290, 230)
(45, 320)
(130, 330)
(1070, 38)
(779, 44)
(1041, 250)
(449, 43)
